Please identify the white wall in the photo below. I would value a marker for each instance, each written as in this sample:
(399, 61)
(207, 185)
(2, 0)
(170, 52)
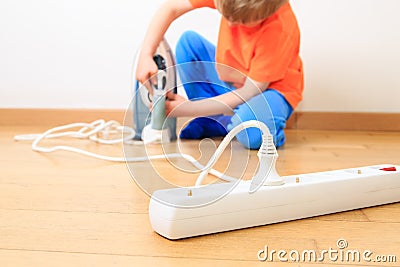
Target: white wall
(351, 51)
(79, 53)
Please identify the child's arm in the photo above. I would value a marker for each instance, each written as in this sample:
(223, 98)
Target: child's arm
(225, 103)
(165, 15)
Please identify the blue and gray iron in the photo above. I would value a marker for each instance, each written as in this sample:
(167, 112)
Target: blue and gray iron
(146, 124)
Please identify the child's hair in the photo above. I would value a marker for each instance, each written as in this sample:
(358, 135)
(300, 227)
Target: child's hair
(246, 11)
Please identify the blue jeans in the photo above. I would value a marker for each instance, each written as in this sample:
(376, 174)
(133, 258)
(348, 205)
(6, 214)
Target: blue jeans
(195, 58)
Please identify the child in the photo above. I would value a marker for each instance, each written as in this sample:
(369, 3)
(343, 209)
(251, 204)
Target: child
(258, 75)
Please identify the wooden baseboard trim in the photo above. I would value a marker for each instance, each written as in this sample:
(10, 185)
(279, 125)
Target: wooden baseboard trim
(345, 121)
(54, 117)
(300, 120)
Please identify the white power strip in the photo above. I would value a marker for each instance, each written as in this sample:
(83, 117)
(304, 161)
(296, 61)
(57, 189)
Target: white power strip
(183, 212)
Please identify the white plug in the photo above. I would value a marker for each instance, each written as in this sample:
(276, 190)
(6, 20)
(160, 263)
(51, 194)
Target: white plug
(266, 174)
(267, 155)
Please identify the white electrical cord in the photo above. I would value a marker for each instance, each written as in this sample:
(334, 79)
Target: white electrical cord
(94, 131)
(267, 147)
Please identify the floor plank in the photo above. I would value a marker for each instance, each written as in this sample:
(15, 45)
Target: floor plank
(63, 209)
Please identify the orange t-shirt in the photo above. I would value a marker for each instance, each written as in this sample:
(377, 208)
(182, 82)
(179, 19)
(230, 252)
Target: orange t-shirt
(268, 52)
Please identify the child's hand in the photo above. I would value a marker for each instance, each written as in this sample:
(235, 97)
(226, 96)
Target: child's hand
(146, 69)
(177, 106)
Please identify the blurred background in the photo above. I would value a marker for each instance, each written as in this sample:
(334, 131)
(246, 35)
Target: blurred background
(79, 53)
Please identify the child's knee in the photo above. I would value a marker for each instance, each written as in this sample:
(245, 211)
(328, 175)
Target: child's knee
(184, 39)
(189, 35)
(184, 45)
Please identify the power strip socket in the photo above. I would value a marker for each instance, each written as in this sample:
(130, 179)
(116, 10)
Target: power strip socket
(186, 212)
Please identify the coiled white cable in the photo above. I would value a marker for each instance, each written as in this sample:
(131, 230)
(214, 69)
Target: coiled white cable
(98, 128)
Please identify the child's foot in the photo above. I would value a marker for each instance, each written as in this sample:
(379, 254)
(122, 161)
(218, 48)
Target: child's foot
(205, 127)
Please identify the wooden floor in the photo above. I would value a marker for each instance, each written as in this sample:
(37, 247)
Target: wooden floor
(63, 209)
